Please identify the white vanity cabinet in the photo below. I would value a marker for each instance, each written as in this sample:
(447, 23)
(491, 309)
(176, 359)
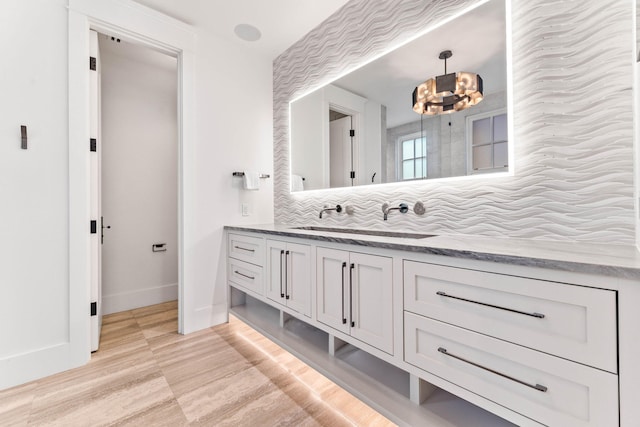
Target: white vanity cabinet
(289, 275)
(354, 294)
(405, 325)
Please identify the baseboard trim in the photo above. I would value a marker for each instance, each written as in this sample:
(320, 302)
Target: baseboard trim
(32, 365)
(206, 317)
(129, 300)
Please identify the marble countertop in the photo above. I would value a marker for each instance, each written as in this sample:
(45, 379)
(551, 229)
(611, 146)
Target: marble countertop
(609, 260)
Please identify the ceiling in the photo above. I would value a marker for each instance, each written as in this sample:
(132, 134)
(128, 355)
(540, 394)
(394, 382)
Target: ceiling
(281, 22)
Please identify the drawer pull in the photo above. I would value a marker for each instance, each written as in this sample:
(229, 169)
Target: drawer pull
(537, 315)
(244, 275)
(535, 387)
(244, 249)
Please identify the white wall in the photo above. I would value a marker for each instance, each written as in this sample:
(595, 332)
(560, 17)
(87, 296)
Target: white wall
(139, 175)
(235, 124)
(34, 195)
(34, 294)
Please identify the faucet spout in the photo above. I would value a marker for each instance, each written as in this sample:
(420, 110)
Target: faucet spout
(402, 207)
(338, 209)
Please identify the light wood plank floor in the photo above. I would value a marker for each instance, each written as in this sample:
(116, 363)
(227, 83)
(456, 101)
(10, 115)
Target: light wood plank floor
(145, 374)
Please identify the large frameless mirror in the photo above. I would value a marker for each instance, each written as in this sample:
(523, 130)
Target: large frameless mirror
(367, 128)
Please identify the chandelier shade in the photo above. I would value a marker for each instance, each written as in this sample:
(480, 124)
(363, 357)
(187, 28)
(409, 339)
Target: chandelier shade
(448, 92)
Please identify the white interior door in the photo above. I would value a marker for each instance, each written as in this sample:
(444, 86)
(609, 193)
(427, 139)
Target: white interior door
(340, 152)
(96, 208)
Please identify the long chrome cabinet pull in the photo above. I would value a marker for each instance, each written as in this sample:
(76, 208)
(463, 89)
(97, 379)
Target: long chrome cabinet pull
(281, 261)
(344, 319)
(538, 315)
(351, 267)
(286, 278)
(244, 249)
(535, 387)
(244, 275)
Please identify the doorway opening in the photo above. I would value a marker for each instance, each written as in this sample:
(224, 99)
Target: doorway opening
(136, 179)
(142, 26)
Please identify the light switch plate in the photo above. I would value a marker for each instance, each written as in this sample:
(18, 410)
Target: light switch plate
(245, 209)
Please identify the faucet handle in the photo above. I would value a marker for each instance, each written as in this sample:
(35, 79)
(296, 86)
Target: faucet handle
(338, 208)
(403, 208)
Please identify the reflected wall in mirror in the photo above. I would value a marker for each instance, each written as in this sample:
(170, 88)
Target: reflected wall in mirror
(361, 129)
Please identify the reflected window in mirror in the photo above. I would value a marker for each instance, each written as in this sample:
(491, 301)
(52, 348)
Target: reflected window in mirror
(488, 141)
(412, 157)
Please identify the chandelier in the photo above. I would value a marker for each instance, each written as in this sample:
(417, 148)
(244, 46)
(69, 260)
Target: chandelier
(447, 93)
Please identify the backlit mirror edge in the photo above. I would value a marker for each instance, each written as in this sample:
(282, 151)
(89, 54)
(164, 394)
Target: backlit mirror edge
(510, 109)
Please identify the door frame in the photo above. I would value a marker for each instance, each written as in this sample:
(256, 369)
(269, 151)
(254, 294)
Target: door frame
(95, 182)
(138, 24)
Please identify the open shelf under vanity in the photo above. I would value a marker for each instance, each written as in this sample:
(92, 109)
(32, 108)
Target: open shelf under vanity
(384, 387)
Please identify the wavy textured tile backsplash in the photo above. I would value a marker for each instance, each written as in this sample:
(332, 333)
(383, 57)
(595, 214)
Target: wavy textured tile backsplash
(573, 120)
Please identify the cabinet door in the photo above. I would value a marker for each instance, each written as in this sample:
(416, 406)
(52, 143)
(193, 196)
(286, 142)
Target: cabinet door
(371, 304)
(332, 285)
(276, 270)
(298, 278)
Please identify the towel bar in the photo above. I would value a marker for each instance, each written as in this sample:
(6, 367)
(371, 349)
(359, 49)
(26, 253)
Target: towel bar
(262, 175)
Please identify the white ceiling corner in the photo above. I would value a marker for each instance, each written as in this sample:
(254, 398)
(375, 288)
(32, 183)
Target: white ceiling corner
(281, 22)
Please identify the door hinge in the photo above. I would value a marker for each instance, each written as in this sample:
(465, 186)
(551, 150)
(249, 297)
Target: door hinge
(352, 174)
(93, 144)
(352, 132)
(92, 63)
(94, 308)
(94, 226)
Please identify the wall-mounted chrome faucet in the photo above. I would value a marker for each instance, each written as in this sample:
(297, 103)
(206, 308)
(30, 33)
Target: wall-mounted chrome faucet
(402, 207)
(338, 209)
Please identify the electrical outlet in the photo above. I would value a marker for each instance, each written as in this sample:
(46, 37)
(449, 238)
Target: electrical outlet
(245, 209)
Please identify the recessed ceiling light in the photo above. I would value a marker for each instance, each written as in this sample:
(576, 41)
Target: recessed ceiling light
(247, 32)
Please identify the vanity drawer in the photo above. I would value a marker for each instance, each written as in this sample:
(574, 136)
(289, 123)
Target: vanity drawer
(569, 321)
(246, 275)
(246, 248)
(547, 389)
